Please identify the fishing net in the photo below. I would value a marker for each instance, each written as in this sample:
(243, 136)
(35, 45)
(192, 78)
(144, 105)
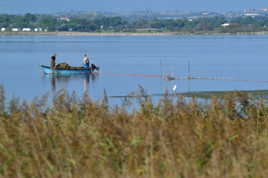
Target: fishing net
(63, 66)
(68, 67)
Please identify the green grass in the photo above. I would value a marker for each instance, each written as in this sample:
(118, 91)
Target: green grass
(76, 137)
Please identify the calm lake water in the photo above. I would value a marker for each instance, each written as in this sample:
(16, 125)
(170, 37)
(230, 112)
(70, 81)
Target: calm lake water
(242, 57)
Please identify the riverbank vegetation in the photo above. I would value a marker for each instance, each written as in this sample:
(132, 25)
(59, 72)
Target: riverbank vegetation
(99, 23)
(76, 137)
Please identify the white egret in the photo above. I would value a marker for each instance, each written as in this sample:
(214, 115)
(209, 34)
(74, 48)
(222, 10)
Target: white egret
(174, 88)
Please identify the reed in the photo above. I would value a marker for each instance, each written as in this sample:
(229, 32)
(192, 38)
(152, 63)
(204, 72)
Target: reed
(76, 137)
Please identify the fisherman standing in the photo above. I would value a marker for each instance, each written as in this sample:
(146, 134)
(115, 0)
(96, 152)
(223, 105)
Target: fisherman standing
(86, 61)
(53, 62)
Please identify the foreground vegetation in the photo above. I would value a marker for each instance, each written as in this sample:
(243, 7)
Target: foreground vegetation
(75, 137)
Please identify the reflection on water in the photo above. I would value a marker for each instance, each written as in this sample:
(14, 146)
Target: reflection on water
(60, 80)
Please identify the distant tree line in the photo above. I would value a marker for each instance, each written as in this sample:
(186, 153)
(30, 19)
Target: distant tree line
(99, 23)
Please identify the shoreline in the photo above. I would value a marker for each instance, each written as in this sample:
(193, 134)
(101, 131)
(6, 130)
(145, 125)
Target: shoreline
(130, 33)
(91, 33)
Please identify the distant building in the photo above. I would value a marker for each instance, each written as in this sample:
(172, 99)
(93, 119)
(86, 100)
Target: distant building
(264, 9)
(251, 14)
(3, 29)
(225, 25)
(26, 29)
(14, 29)
(38, 29)
(64, 18)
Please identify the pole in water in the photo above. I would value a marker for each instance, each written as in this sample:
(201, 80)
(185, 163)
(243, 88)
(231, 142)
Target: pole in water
(161, 69)
(189, 70)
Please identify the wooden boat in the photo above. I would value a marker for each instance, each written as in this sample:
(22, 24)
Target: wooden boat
(63, 71)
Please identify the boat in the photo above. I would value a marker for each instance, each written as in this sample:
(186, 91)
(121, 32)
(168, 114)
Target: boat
(65, 71)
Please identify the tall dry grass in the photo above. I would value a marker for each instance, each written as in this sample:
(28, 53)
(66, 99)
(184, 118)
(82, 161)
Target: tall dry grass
(78, 138)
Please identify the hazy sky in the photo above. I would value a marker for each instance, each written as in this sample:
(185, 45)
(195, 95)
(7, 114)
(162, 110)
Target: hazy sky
(51, 6)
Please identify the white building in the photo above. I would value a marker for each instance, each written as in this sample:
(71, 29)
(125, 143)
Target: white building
(38, 29)
(64, 18)
(225, 25)
(26, 29)
(14, 29)
(251, 14)
(3, 29)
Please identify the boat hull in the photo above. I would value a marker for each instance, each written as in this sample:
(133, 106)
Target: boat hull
(48, 70)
